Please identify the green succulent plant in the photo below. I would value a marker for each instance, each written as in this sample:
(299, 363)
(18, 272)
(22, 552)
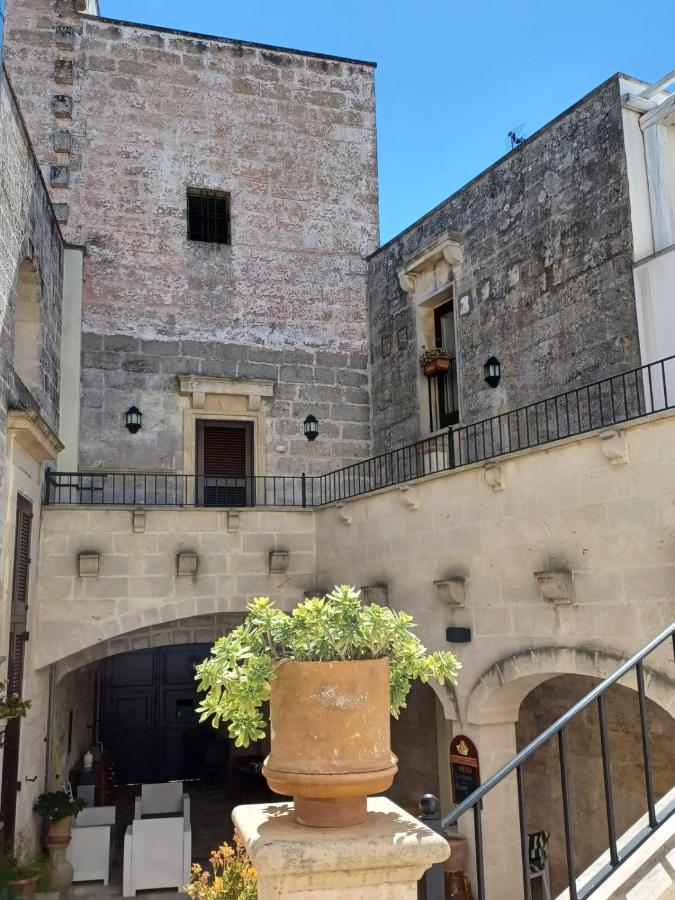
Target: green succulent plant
(236, 678)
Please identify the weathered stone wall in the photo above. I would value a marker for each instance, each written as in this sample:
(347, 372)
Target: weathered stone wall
(542, 773)
(125, 118)
(545, 284)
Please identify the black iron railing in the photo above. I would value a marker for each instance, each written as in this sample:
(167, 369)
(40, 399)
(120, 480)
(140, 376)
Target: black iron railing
(617, 855)
(609, 402)
(171, 489)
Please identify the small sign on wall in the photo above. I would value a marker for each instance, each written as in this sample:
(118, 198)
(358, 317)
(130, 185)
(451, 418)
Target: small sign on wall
(464, 768)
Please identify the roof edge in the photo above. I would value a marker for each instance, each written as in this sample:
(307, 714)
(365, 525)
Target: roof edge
(497, 162)
(225, 40)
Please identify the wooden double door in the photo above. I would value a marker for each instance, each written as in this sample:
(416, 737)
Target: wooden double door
(149, 723)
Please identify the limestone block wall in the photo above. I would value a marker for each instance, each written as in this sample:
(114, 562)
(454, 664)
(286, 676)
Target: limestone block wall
(138, 585)
(545, 284)
(139, 115)
(611, 528)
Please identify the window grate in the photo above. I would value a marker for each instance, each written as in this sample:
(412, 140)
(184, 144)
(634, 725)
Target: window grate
(208, 216)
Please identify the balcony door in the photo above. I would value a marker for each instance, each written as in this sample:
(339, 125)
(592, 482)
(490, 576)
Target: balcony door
(447, 393)
(225, 463)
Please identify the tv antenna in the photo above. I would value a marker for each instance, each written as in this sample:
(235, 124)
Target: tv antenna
(515, 137)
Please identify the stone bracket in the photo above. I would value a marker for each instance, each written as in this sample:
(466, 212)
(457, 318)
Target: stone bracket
(495, 476)
(375, 593)
(88, 565)
(138, 521)
(233, 517)
(556, 586)
(278, 562)
(451, 591)
(187, 563)
(344, 513)
(614, 446)
(410, 496)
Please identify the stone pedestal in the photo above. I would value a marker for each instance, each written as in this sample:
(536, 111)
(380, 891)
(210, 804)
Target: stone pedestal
(380, 859)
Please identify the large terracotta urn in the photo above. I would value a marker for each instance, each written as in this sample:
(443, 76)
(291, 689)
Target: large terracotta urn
(330, 738)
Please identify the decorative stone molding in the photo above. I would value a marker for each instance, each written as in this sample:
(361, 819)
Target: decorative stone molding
(59, 176)
(451, 592)
(62, 141)
(62, 106)
(187, 563)
(556, 586)
(278, 562)
(232, 521)
(614, 446)
(88, 565)
(65, 37)
(495, 476)
(254, 389)
(31, 431)
(447, 246)
(63, 71)
(138, 521)
(344, 513)
(410, 496)
(375, 593)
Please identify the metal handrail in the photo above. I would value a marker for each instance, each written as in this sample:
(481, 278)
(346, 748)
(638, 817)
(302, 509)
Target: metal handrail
(473, 801)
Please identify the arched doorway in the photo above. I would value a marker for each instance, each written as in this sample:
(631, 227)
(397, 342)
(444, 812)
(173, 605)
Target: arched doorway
(540, 708)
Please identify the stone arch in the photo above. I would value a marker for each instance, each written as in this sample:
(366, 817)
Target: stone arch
(497, 695)
(28, 326)
(192, 630)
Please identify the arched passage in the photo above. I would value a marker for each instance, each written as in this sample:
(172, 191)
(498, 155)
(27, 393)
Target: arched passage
(28, 326)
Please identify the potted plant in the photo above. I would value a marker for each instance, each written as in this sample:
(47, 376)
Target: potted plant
(22, 879)
(58, 808)
(11, 707)
(434, 360)
(333, 671)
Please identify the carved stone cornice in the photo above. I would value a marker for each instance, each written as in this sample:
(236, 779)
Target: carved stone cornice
(31, 431)
(447, 246)
(197, 387)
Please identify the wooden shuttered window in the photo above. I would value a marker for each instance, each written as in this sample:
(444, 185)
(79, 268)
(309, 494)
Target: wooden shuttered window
(19, 611)
(225, 463)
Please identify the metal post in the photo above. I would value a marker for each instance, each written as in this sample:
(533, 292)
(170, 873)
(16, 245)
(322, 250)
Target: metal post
(304, 490)
(434, 878)
(48, 473)
(451, 449)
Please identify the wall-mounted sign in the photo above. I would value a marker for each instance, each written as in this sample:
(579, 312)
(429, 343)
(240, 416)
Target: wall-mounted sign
(464, 768)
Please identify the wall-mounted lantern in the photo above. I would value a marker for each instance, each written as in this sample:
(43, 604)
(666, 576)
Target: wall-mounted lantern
(493, 371)
(311, 427)
(134, 419)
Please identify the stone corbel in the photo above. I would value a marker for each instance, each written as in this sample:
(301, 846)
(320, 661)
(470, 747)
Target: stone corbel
(344, 513)
(451, 592)
(187, 563)
(614, 446)
(31, 431)
(138, 521)
(410, 496)
(407, 282)
(232, 521)
(556, 586)
(278, 561)
(495, 476)
(88, 565)
(375, 593)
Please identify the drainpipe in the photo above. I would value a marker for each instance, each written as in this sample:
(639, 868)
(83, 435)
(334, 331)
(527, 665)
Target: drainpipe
(49, 760)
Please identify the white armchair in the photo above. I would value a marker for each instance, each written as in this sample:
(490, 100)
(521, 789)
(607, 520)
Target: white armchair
(162, 800)
(157, 854)
(89, 849)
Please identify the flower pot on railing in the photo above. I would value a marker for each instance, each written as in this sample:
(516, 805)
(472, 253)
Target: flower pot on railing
(435, 361)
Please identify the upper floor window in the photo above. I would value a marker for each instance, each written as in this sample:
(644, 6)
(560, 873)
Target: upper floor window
(208, 214)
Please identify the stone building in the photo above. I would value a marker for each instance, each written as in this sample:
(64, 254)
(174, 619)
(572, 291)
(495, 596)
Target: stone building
(214, 269)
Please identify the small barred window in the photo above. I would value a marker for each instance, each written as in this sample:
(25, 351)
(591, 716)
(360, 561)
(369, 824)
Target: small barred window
(208, 215)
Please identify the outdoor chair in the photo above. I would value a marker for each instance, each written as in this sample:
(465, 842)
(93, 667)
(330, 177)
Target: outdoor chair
(165, 799)
(89, 849)
(538, 861)
(157, 854)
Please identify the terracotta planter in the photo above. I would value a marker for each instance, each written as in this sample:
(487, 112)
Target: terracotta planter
(23, 888)
(437, 366)
(330, 738)
(59, 832)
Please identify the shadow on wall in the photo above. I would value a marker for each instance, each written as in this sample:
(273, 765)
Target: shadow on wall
(414, 742)
(542, 772)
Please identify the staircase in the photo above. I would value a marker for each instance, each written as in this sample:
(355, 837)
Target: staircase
(637, 864)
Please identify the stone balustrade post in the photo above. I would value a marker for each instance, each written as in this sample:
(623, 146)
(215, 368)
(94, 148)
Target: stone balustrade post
(381, 859)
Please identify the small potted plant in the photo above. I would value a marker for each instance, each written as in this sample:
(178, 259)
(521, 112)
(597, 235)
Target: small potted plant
(434, 361)
(11, 706)
(232, 875)
(333, 671)
(58, 808)
(22, 879)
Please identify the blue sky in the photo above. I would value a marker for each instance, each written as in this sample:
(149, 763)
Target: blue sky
(452, 78)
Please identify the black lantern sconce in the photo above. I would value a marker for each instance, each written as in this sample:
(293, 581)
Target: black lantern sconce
(134, 419)
(493, 371)
(311, 427)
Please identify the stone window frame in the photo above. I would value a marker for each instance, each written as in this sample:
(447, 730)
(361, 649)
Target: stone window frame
(429, 278)
(225, 399)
